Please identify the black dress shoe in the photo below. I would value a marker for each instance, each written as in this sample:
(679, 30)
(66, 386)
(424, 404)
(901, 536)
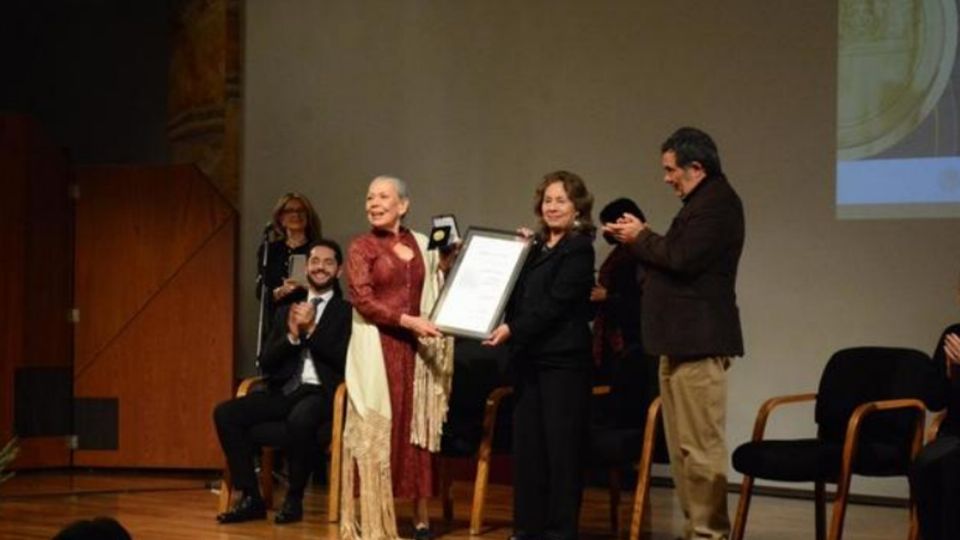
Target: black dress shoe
(247, 509)
(290, 512)
(422, 533)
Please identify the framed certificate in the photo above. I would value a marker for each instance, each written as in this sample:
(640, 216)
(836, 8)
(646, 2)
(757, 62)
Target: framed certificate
(475, 294)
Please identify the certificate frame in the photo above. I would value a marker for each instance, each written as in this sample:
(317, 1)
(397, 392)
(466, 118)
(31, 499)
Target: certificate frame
(474, 297)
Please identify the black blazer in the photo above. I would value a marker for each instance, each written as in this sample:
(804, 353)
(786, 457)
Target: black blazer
(280, 359)
(689, 301)
(549, 310)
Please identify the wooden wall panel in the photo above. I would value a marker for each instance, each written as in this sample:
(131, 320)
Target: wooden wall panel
(136, 226)
(37, 260)
(12, 227)
(155, 289)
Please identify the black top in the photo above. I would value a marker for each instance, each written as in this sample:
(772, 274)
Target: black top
(549, 310)
(945, 391)
(621, 309)
(277, 270)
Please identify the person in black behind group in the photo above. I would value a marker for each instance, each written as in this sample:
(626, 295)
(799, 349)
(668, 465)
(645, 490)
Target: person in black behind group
(935, 475)
(617, 344)
(293, 226)
(547, 327)
(303, 362)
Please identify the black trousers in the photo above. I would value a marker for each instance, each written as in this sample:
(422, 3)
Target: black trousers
(549, 435)
(290, 421)
(935, 483)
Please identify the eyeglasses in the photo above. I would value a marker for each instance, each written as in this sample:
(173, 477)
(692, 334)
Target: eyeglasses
(288, 211)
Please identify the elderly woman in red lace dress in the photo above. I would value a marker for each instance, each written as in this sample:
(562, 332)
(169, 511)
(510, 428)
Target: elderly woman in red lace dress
(388, 271)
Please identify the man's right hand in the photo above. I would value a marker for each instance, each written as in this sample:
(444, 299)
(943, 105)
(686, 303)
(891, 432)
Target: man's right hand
(627, 228)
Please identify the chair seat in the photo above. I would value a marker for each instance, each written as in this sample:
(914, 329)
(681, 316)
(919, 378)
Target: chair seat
(614, 446)
(808, 460)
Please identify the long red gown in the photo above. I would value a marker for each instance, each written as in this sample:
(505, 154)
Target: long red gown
(382, 287)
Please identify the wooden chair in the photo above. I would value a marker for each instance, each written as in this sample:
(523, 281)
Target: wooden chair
(266, 459)
(483, 454)
(641, 459)
(934, 428)
(870, 420)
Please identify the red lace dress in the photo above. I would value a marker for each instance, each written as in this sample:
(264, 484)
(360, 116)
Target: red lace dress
(382, 287)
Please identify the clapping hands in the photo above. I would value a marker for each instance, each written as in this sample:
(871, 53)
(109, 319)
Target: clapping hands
(627, 228)
(951, 346)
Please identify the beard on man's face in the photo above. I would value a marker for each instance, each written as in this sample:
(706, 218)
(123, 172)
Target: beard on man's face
(320, 285)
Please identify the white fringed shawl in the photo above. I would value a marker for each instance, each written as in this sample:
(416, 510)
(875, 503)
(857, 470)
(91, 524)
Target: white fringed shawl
(366, 437)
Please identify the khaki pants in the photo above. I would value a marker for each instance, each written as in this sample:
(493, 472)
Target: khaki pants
(694, 396)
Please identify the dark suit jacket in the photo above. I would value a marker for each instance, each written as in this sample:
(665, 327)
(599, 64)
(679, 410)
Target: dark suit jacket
(280, 359)
(689, 301)
(549, 309)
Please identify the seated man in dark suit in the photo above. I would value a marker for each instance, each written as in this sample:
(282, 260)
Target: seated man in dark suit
(303, 361)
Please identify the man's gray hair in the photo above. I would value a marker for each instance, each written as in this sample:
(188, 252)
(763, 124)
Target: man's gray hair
(398, 184)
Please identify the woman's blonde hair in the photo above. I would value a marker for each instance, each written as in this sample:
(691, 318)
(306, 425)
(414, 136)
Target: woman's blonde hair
(314, 230)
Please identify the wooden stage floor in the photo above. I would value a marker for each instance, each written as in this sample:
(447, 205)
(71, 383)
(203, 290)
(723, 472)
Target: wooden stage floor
(183, 507)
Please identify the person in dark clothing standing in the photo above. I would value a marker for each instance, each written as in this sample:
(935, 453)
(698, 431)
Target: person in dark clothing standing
(617, 345)
(691, 320)
(547, 326)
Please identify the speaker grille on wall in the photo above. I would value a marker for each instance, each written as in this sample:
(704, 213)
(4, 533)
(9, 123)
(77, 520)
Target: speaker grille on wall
(96, 422)
(43, 401)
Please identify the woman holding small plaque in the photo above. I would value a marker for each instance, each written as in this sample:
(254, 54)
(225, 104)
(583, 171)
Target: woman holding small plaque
(398, 371)
(293, 226)
(547, 330)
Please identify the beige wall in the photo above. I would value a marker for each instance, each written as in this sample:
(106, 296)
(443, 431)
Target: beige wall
(472, 101)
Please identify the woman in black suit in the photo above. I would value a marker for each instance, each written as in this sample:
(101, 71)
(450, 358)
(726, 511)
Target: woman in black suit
(546, 327)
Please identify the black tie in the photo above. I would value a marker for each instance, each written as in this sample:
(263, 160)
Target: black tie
(297, 377)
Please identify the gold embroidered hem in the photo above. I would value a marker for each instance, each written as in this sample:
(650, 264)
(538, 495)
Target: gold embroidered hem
(366, 453)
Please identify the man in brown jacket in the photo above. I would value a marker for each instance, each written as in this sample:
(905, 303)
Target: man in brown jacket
(690, 319)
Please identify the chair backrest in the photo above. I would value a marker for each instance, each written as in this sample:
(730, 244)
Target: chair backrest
(858, 375)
